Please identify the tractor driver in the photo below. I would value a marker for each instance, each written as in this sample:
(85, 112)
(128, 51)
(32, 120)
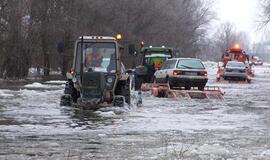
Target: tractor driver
(93, 59)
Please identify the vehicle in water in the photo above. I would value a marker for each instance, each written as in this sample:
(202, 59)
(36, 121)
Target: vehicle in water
(235, 71)
(182, 72)
(98, 76)
(255, 60)
(152, 58)
(179, 73)
(238, 55)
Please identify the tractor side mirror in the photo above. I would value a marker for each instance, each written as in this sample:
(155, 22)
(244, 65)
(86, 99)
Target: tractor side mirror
(131, 49)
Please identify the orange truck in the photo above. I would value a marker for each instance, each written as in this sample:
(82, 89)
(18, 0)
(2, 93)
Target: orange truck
(235, 54)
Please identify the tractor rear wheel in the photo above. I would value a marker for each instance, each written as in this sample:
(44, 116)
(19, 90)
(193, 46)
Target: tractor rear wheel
(119, 101)
(123, 89)
(66, 100)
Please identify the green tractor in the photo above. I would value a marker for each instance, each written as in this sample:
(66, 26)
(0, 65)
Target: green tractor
(98, 76)
(152, 59)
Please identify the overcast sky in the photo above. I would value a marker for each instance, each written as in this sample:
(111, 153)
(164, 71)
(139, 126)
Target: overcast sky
(244, 14)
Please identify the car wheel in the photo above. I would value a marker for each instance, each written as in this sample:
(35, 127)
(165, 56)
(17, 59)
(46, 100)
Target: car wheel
(66, 100)
(119, 101)
(201, 88)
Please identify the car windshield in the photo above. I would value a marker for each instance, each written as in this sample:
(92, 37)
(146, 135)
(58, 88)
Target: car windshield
(99, 57)
(190, 64)
(235, 64)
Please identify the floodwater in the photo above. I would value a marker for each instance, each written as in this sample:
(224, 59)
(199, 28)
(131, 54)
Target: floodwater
(34, 126)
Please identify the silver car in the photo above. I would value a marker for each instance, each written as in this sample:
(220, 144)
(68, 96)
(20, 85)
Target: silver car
(182, 72)
(235, 71)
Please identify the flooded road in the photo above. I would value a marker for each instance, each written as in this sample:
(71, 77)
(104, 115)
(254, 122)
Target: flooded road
(34, 126)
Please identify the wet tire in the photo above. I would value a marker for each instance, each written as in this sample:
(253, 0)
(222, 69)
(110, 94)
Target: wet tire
(139, 99)
(66, 100)
(132, 83)
(123, 89)
(119, 101)
(138, 82)
(201, 88)
(71, 91)
(69, 87)
(127, 90)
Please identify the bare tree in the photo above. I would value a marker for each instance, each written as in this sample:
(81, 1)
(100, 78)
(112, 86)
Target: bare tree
(14, 50)
(53, 25)
(226, 37)
(265, 12)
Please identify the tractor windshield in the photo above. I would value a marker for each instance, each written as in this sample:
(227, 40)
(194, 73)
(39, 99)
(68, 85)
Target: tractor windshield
(97, 56)
(150, 53)
(157, 58)
(156, 62)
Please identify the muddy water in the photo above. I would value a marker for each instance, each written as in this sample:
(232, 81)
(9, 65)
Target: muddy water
(34, 126)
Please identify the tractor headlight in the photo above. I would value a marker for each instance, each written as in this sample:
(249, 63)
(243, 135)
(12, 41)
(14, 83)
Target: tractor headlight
(109, 79)
(110, 82)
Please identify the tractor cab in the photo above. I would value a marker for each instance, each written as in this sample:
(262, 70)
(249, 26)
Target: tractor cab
(97, 73)
(156, 56)
(152, 60)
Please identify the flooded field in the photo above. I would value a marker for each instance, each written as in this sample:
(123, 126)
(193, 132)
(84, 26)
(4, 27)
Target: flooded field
(34, 126)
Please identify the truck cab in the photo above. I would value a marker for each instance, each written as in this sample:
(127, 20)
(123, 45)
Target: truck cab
(238, 55)
(235, 54)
